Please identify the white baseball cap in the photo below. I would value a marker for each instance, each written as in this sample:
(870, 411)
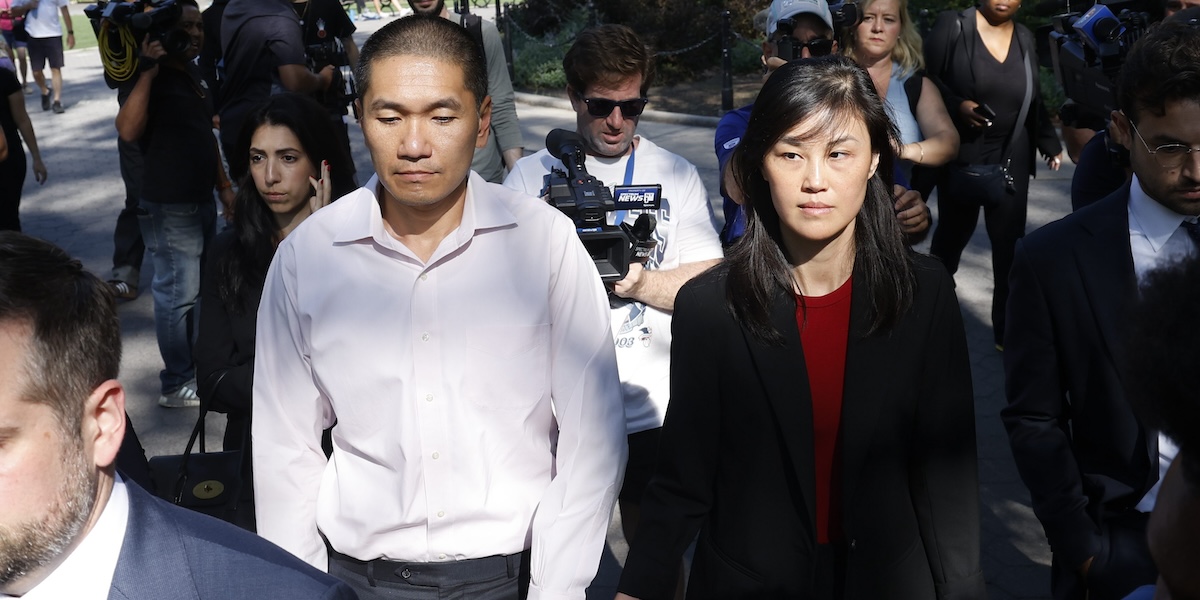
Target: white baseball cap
(789, 9)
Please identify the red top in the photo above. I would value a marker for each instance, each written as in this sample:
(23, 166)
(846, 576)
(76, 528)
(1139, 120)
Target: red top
(823, 336)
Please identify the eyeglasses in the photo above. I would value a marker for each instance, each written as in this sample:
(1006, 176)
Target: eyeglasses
(1169, 156)
(602, 107)
(790, 47)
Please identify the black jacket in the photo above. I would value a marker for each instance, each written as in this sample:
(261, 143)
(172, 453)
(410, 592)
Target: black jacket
(736, 456)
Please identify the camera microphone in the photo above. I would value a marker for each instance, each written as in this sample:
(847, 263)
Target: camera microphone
(566, 146)
(642, 234)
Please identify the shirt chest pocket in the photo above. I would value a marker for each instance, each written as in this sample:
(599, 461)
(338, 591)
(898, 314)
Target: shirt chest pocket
(506, 367)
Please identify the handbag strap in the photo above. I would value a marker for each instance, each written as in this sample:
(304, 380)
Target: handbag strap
(199, 429)
(1021, 116)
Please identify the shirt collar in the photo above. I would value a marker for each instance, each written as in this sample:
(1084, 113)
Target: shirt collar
(1155, 221)
(365, 219)
(87, 572)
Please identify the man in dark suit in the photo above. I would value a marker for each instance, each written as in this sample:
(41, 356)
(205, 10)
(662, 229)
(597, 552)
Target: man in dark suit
(1091, 466)
(71, 527)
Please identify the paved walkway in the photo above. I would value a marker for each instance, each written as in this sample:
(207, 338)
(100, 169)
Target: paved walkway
(76, 209)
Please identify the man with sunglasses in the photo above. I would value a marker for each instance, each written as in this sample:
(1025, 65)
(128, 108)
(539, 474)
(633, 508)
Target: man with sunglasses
(1092, 467)
(608, 72)
(796, 29)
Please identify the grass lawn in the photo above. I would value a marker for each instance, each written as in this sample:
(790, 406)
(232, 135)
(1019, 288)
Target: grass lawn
(84, 36)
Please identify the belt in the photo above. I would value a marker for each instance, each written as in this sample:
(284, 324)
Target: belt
(424, 573)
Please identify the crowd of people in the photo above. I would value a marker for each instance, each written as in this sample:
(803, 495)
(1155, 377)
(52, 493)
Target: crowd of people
(433, 393)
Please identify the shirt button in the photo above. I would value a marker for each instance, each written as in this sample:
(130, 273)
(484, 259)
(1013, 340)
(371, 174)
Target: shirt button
(435, 457)
(442, 513)
(424, 276)
(442, 557)
(424, 337)
(429, 397)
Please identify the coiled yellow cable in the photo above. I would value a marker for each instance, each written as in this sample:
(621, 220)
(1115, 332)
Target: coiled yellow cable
(121, 62)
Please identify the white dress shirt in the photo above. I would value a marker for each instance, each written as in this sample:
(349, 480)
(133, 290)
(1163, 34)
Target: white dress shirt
(1156, 239)
(476, 394)
(87, 572)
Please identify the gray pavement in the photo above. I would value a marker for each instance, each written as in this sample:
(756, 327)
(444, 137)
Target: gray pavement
(77, 208)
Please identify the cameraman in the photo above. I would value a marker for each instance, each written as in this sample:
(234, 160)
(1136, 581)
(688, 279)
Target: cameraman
(608, 71)
(328, 35)
(263, 48)
(168, 113)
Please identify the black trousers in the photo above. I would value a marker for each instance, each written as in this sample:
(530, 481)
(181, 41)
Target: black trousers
(128, 247)
(12, 181)
(1003, 216)
(491, 578)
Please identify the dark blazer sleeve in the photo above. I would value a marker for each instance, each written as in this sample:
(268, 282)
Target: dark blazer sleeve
(1041, 130)
(943, 41)
(218, 356)
(945, 488)
(679, 496)
(1037, 414)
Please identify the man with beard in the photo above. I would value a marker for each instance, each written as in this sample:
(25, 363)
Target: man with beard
(1093, 468)
(504, 146)
(71, 526)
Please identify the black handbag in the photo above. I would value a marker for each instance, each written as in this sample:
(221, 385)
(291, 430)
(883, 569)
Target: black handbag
(981, 177)
(206, 482)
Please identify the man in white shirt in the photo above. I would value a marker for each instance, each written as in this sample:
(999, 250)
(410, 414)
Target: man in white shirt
(457, 334)
(45, 43)
(608, 71)
(70, 526)
(1092, 467)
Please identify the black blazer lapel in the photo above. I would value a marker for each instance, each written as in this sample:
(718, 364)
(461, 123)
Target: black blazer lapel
(866, 383)
(785, 381)
(1106, 271)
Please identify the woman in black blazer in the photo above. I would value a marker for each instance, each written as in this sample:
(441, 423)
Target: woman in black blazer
(820, 436)
(295, 167)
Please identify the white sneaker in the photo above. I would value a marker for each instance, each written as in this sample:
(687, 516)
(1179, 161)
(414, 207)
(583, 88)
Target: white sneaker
(184, 397)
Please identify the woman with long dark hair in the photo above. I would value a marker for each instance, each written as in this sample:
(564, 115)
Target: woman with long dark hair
(832, 454)
(296, 166)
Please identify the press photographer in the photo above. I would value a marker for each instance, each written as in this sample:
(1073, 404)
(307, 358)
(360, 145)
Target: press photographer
(608, 71)
(168, 114)
(328, 34)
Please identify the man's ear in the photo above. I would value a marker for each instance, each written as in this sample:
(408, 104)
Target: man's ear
(1119, 130)
(485, 122)
(103, 426)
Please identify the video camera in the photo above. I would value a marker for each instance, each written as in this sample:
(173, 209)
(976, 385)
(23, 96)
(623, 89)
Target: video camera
(121, 26)
(587, 201)
(1088, 51)
(845, 15)
(342, 90)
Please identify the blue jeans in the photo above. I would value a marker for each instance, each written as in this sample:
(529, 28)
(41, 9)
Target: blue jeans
(175, 236)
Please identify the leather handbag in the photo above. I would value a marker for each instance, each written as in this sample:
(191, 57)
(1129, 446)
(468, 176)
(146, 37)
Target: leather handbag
(206, 482)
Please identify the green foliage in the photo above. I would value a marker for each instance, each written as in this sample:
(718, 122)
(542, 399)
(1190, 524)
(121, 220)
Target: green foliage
(537, 62)
(747, 58)
(1052, 92)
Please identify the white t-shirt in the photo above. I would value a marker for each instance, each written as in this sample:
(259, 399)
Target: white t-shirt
(686, 232)
(43, 21)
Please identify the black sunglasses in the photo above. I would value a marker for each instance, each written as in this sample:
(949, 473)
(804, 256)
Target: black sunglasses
(602, 107)
(789, 47)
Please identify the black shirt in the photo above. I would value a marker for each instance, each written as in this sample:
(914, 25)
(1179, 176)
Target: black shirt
(9, 85)
(323, 21)
(257, 37)
(178, 149)
(1003, 89)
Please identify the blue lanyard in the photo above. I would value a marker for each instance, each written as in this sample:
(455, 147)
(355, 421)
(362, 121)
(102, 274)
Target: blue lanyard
(619, 217)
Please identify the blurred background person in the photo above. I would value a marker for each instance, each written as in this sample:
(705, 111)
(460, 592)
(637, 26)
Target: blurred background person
(1001, 120)
(844, 421)
(12, 28)
(888, 46)
(17, 126)
(328, 34)
(296, 167)
(45, 44)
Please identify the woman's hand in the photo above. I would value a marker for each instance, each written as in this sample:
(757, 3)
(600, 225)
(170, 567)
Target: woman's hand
(39, 171)
(322, 189)
(966, 111)
(1054, 162)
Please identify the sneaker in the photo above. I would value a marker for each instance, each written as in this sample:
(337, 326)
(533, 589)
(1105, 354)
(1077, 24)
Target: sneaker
(28, 89)
(58, 108)
(122, 290)
(46, 101)
(184, 397)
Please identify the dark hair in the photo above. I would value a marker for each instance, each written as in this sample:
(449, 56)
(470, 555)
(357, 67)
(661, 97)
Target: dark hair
(1162, 66)
(1162, 350)
(832, 91)
(255, 226)
(75, 342)
(425, 35)
(607, 55)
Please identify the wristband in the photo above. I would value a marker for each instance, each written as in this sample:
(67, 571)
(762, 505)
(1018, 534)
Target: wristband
(70, 32)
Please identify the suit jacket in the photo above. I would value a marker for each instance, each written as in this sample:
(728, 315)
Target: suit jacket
(948, 52)
(171, 553)
(736, 456)
(1081, 451)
